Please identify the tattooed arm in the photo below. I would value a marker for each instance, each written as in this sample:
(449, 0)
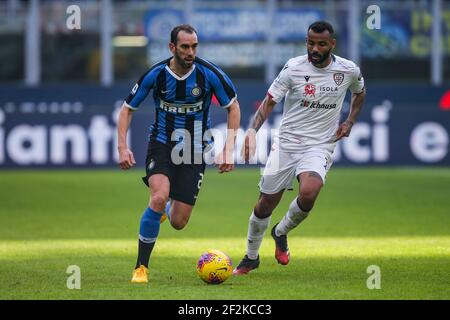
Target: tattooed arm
(263, 112)
(265, 108)
(355, 107)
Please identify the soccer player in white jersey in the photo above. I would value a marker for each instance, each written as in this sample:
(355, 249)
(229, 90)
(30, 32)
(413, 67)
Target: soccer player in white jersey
(314, 88)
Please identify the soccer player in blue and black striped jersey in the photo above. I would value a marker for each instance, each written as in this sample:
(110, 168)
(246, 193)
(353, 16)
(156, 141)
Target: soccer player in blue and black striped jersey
(183, 87)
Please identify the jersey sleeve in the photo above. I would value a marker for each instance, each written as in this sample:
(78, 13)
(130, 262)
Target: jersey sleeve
(281, 85)
(357, 84)
(140, 90)
(223, 87)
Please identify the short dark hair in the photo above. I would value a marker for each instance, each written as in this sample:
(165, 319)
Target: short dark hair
(321, 26)
(182, 27)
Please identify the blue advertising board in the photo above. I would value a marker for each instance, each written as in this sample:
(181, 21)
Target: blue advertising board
(75, 126)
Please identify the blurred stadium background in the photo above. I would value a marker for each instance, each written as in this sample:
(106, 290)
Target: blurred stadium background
(60, 90)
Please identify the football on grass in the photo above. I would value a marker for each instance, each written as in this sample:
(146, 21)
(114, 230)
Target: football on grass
(214, 267)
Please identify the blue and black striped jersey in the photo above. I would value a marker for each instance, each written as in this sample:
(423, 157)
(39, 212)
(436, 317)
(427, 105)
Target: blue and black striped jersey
(182, 102)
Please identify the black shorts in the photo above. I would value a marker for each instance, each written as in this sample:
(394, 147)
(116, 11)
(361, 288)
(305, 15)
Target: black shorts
(185, 179)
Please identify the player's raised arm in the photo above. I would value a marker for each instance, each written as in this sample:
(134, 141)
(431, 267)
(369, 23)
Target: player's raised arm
(358, 96)
(263, 112)
(345, 127)
(226, 95)
(225, 158)
(126, 157)
(139, 92)
(280, 86)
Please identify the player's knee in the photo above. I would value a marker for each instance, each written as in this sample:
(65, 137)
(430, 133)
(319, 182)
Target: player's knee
(158, 201)
(178, 224)
(308, 195)
(264, 207)
(308, 198)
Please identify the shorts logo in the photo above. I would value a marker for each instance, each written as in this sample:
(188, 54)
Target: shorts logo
(151, 165)
(338, 78)
(327, 163)
(196, 91)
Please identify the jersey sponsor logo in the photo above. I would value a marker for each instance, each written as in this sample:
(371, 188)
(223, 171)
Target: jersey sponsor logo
(329, 91)
(181, 108)
(338, 78)
(310, 91)
(196, 91)
(317, 105)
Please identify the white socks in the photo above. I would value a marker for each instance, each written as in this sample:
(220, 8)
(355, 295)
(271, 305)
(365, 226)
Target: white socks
(291, 219)
(256, 229)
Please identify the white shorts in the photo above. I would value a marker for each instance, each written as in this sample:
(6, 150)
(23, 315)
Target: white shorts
(282, 167)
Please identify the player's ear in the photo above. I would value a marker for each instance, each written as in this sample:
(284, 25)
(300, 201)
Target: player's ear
(333, 43)
(172, 47)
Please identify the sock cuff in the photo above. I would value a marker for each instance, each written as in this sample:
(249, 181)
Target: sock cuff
(294, 207)
(151, 214)
(256, 219)
(146, 240)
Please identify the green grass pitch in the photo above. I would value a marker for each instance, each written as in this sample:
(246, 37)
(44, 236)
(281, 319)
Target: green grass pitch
(397, 219)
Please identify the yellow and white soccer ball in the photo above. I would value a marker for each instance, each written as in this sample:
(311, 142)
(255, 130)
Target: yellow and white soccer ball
(214, 267)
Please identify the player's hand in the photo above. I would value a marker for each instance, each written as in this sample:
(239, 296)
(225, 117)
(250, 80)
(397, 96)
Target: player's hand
(224, 160)
(126, 159)
(249, 146)
(344, 130)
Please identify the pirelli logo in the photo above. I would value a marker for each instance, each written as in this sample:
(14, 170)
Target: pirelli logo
(180, 108)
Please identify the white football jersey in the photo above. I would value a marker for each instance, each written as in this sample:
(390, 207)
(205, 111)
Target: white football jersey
(313, 100)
